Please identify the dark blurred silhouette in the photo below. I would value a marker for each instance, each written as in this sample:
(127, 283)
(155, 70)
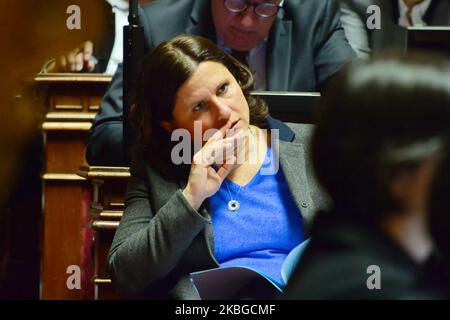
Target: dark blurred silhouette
(382, 131)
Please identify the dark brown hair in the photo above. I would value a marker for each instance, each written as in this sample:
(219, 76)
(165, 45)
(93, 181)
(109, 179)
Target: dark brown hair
(164, 71)
(371, 118)
(439, 207)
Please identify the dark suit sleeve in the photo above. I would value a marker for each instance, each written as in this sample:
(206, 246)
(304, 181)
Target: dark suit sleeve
(354, 24)
(149, 242)
(105, 145)
(333, 49)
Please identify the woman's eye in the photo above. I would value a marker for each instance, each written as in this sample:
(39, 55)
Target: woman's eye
(199, 106)
(223, 88)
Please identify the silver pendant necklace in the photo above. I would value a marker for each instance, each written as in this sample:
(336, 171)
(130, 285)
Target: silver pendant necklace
(233, 204)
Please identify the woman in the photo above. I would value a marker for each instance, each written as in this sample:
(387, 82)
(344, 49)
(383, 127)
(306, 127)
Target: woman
(385, 124)
(182, 218)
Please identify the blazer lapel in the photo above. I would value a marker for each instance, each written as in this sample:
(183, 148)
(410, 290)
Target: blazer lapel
(292, 162)
(279, 56)
(200, 26)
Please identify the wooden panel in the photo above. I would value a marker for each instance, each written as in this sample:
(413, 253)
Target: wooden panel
(102, 279)
(71, 103)
(71, 78)
(62, 240)
(65, 151)
(93, 103)
(69, 116)
(108, 187)
(113, 195)
(66, 126)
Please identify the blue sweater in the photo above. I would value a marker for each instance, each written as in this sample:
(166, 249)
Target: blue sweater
(264, 230)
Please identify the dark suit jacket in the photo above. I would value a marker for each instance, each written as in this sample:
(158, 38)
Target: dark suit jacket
(391, 35)
(306, 46)
(335, 263)
(161, 238)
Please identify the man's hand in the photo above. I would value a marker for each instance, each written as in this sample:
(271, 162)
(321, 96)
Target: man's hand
(79, 59)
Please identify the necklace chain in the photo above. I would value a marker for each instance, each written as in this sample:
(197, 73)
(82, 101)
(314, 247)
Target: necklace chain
(233, 204)
(229, 192)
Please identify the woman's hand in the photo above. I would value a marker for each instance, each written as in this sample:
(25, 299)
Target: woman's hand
(221, 150)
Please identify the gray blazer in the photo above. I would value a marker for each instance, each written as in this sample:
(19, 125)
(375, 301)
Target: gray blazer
(391, 35)
(306, 46)
(161, 238)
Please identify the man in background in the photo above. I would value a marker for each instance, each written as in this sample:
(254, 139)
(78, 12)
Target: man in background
(292, 45)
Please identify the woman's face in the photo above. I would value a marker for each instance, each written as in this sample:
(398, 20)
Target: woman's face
(212, 96)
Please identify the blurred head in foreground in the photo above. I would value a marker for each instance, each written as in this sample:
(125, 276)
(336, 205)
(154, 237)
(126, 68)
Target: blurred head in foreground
(439, 222)
(385, 124)
(381, 136)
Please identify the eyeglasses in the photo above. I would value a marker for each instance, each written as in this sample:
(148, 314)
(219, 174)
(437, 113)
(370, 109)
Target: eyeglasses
(264, 10)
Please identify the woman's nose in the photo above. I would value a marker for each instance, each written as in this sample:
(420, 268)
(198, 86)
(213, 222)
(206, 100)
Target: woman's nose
(223, 111)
